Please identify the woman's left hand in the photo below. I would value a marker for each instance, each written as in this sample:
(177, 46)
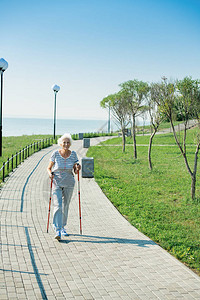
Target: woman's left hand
(77, 168)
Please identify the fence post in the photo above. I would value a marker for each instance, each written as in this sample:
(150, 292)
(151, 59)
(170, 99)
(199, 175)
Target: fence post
(12, 162)
(28, 149)
(8, 165)
(3, 171)
(20, 156)
(16, 159)
(23, 154)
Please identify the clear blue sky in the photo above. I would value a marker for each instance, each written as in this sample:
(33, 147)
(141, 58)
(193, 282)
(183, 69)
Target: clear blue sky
(89, 47)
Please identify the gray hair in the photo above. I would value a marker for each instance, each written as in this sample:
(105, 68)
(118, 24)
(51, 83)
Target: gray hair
(65, 136)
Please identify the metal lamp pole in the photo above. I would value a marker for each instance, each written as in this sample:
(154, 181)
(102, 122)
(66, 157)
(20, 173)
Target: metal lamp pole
(56, 89)
(3, 67)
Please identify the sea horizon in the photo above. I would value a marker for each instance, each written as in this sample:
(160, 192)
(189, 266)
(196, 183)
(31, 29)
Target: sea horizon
(18, 126)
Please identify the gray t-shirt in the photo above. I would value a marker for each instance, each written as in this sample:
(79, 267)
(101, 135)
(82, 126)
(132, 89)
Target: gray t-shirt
(62, 168)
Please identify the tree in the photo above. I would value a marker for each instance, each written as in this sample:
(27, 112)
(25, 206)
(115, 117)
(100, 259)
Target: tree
(156, 116)
(119, 109)
(135, 92)
(188, 105)
(182, 96)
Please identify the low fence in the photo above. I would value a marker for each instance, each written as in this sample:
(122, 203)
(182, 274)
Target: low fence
(20, 156)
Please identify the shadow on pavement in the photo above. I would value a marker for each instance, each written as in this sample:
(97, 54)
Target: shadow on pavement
(105, 240)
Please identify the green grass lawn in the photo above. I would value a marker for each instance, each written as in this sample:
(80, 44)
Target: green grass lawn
(156, 202)
(12, 144)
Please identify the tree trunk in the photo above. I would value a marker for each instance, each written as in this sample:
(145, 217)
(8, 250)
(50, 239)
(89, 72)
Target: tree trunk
(123, 140)
(134, 138)
(150, 146)
(193, 184)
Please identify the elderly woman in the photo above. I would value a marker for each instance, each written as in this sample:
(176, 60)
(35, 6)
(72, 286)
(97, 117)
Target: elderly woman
(62, 163)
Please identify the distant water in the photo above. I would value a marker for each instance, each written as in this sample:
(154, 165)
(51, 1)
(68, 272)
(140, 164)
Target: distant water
(29, 126)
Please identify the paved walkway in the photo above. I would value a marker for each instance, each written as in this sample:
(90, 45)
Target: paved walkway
(111, 260)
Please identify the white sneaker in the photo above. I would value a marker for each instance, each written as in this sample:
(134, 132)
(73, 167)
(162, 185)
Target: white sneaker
(64, 232)
(58, 235)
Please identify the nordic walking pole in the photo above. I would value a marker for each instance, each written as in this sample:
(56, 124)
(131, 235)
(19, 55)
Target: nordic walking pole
(50, 202)
(79, 198)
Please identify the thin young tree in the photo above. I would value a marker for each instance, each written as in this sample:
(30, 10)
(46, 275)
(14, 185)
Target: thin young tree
(135, 92)
(184, 96)
(188, 105)
(155, 114)
(119, 109)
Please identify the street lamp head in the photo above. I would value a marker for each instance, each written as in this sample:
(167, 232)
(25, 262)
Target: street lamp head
(55, 88)
(3, 64)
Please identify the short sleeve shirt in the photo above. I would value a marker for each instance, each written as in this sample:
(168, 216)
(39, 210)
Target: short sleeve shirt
(62, 168)
(61, 163)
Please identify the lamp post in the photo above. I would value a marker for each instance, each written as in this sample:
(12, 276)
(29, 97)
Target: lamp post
(56, 89)
(3, 67)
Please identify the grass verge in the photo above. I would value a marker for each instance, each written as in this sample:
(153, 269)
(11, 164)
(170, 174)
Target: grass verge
(156, 202)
